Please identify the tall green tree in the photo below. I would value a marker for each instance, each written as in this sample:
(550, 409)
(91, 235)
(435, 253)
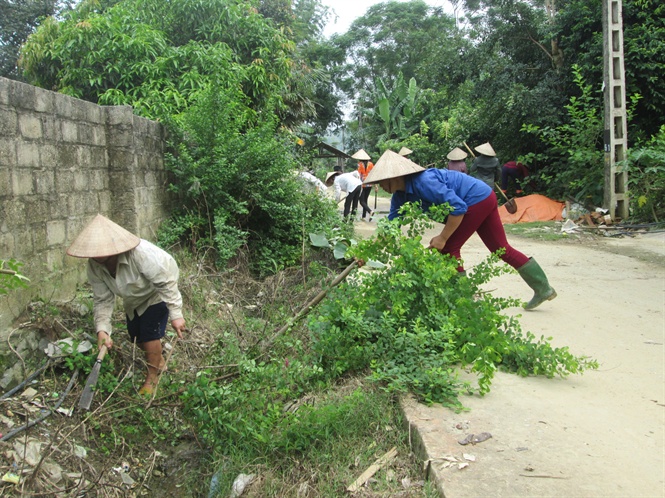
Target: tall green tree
(309, 97)
(322, 57)
(579, 25)
(392, 113)
(158, 56)
(228, 82)
(392, 38)
(513, 74)
(18, 19)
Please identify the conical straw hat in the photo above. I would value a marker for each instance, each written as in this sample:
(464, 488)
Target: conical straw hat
(361, 155)
(405, 151)
(391, 165)
(101, 238)
(456, 154)
(330, 175)
(485, 149)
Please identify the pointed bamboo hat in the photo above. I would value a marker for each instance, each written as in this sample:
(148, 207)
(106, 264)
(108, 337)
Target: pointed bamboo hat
(405, 151)
(361, 155)
(391, 165)
(330, 175)
(101, 238)
(457, 154)
(485, 149)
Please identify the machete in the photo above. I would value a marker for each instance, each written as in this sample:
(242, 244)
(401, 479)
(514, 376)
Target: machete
(86, 397)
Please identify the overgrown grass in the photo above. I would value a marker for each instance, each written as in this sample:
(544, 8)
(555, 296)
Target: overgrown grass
(337, 435)
(227, 407)
(274, 412)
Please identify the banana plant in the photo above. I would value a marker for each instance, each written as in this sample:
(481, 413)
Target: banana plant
(397, 108)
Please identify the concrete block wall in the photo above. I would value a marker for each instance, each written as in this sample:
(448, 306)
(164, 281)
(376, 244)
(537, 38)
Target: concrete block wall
(62, 161)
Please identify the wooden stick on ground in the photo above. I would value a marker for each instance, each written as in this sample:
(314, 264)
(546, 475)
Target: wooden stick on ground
(371, 470)
(29, 424)
(310, 305)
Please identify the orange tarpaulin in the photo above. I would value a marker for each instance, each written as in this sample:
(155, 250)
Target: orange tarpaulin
(533, 208)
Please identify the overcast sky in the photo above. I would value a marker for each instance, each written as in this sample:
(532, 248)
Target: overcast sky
(349, 10)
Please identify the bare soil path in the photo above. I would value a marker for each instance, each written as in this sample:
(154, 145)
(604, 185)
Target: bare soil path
(601, 434)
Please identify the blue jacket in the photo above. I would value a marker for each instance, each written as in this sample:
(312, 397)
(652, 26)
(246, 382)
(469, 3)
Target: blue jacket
(438, 186)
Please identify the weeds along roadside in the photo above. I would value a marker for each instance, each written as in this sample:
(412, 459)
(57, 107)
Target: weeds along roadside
(276, 413)
(409, 328)
(223, 408)
(303, 414)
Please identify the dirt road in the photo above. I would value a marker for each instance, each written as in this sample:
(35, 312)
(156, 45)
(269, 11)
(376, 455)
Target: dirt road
(601, 434)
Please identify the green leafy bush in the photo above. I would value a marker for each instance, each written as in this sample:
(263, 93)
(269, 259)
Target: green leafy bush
(414, 322)
(646, 179)
(158, 56)
(10, 276)
(236, 180)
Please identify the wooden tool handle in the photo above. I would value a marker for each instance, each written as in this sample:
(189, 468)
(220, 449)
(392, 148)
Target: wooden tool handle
(502, 192)
(102, 353)
(469, 149)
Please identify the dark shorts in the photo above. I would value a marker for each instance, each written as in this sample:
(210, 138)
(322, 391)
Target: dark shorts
(150, 326)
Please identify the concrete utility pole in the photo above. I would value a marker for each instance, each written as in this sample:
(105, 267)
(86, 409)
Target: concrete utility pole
(616, 137)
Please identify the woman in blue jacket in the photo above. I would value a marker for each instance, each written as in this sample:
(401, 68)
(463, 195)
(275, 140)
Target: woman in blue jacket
(475, 209)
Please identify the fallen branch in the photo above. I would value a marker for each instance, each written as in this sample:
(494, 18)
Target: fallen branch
(9, 343)
(5, 271)
(45, 453)
(148, 472)
(371, 470)
(310, 305)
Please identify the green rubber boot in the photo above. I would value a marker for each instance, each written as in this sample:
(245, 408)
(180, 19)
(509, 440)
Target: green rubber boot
(535, 278)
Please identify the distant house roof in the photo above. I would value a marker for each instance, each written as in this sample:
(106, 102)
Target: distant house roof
(326, 150)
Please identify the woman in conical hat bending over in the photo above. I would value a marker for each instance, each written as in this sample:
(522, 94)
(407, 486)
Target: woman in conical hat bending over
(474, 210)
(144, 276)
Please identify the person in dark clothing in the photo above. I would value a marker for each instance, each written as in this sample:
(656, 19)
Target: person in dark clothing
(486, 166)
(515, 172)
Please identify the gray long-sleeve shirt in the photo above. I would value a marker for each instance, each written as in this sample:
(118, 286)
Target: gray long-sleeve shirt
(486, 169)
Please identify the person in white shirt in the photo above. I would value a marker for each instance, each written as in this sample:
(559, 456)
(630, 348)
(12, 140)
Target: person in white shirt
(313, 181)
(144, 276)
(352, 185)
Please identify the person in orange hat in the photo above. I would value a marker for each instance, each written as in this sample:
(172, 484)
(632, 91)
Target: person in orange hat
(144, 276)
